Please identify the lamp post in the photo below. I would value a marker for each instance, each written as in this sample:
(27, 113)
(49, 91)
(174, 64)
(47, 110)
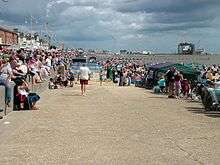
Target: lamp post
(32, 20)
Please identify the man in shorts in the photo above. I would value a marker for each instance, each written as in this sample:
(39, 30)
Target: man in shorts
(84, 76)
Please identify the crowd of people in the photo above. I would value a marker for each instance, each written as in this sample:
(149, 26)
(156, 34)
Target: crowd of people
(127, 71)
(122, 71)
(211, 73)
(21, 69)
(65, 76)
(176, 84)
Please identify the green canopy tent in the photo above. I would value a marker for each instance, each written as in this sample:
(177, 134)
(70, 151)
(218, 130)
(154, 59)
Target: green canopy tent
(188, 72)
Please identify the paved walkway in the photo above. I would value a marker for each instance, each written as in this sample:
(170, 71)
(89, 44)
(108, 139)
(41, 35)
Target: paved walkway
(111, 125)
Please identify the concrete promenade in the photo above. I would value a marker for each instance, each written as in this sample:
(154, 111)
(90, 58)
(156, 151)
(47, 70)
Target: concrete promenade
(111, 125)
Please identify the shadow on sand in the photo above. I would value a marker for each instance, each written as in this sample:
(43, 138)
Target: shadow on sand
(198, 110)
(72, 95)
(158, 97)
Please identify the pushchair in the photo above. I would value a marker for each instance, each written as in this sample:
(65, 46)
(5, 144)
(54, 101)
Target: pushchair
(211, 98)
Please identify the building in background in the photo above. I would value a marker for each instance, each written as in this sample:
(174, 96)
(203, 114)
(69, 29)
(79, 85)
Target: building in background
(29, 41)
(8, 37)
(14, 39)
(32, 41)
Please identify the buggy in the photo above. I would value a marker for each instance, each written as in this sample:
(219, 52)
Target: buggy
(211, 98)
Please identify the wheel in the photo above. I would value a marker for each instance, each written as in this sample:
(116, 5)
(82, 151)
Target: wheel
(208, 103)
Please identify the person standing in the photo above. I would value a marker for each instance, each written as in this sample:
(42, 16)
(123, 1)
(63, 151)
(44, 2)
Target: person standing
(108, 72)
(6, 74)
(101, 77)
(84, 76)
(177, 84)
(170, 79)
(71, 77)
(120, 73)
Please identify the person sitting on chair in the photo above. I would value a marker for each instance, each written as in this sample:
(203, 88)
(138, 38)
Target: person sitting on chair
(25, 96)
(51, 84)
(162, 84)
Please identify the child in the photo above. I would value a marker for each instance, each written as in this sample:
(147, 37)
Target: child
(185, 87)
(177, 84)
(101, 77)
(58, 81)
(71, 78)
(162, 84)
(137, 80)
(64, 81)
(51, 84)
(22, 93)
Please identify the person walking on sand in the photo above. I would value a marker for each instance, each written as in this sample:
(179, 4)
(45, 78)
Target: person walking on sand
(101, 74)
(84, 76)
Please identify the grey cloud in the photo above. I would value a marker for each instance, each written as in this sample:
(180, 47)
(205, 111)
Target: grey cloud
(173, 28)
(173, 18)
(105, 21)
(168, 6)
(174, 11)
(16, 11)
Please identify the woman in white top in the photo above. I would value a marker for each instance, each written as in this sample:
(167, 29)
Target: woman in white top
(5, 80)
(84, 76)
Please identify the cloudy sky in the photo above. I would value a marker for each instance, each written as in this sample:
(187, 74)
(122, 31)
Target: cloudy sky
(155, 25)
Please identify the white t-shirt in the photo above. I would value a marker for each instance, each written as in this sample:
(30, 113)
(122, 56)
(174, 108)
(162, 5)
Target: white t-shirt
(6, 71)
(22, 92)
(84, 73)
(49, 62)
(24, 69)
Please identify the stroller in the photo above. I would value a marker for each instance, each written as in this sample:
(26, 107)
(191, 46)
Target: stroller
(211, 98)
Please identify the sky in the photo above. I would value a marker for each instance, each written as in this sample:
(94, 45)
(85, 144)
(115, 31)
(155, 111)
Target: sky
(151, 25)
